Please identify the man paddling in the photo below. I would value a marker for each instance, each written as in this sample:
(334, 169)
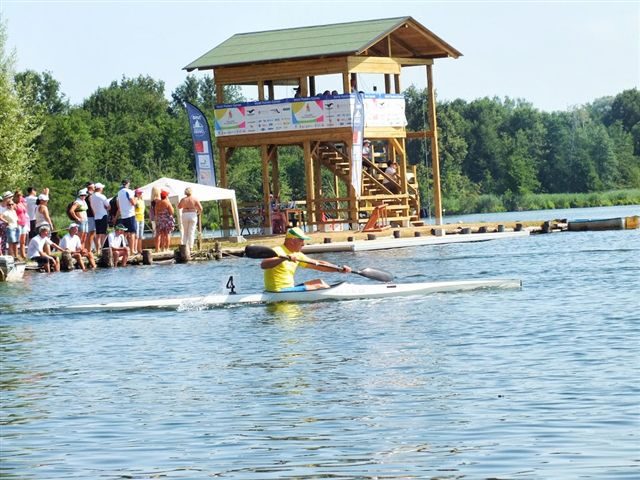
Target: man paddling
(279, 271)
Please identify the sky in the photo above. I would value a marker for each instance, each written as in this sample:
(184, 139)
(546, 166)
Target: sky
(556, 55)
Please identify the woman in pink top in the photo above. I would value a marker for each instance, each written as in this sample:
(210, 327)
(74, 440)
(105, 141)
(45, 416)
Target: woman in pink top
(23, 221)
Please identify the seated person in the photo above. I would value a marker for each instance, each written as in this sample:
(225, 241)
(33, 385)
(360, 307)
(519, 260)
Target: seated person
(37, 250)
(279, 271)
(366, 149)
(392, 179)
(118, 245)
(73, 244)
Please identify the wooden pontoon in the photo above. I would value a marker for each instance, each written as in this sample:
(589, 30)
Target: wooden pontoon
(323, 125)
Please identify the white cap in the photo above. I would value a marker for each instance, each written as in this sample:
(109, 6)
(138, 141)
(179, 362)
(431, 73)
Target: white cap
(82, 191)
(99, 185)
(43, 197)
(7, 194)
(72, 225)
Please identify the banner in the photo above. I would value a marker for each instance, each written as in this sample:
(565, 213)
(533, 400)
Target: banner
(380, 110)
(202, 148)
(356, 146)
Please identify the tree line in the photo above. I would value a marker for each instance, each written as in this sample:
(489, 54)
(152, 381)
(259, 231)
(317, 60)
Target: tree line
(493, 152)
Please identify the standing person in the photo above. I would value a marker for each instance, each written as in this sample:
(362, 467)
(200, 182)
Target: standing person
(140, 207)
(36, 250)
(78, 211)
(3, 224)
(164, 221)
(191, 209)
(73, 244)
(91, 219)
(118, 245)
(42, 213)
(32, 199)
(10, 217)
(279, 272)
(155, 199)
(23, 222)
(100, 206)
(127, 208)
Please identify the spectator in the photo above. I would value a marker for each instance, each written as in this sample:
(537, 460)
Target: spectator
(391, 179)
(91, 220)
(118, 245)
(72, 243)
(100, 206)
(23, 222)
(78, 213)
(164, 221)
(139, 208)
(127, 209)
(37, 247)
(42, 213)
(191, 209)
(32, 199)
(9, 217)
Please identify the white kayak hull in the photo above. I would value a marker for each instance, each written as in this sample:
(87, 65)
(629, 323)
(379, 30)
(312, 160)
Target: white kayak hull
(340, 291)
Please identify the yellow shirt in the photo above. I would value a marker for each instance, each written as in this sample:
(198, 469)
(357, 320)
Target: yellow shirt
(281, 276)
(139, 210)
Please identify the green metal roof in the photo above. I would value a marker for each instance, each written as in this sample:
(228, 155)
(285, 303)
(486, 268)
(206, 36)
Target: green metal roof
(303, 42)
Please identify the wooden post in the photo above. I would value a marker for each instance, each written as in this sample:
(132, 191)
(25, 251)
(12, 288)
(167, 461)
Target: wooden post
(66, 262)
(435, 155)
(184, 254)
(264, 152)
(147, 256)
(310, 183)
(106, 258)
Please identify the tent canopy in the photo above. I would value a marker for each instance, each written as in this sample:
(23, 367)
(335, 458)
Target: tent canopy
(204, 193)
(176, 188)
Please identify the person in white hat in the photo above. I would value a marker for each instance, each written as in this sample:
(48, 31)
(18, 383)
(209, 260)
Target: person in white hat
(279, 271)
(78, 213)
(72, 243)
(42, 213)
(37, 247)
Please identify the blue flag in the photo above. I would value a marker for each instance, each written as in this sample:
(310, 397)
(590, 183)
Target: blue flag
(202, 148)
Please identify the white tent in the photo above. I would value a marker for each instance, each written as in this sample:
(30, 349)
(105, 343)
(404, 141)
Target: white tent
(204, 193)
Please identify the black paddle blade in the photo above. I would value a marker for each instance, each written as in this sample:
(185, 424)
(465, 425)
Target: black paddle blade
(259, 251)
(375, 274)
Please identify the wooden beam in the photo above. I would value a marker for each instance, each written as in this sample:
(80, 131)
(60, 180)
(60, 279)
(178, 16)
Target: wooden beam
(286, 70)
(373, 65)
(261, 91)
(312, 86)
(264, 154)
(420, 134)
(396, 79)
(308, 171)
(275, 170)
(292, 137)
(346, 82)
(435, 155)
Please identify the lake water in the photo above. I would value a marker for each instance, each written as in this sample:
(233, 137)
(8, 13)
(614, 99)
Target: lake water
(537, 383)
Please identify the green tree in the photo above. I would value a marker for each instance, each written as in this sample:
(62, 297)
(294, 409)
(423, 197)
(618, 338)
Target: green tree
(18, 125)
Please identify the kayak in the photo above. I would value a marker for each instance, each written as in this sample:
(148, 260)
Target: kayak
(339, 291)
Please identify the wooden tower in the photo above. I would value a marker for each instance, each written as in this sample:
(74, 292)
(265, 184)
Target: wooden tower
(323, 126)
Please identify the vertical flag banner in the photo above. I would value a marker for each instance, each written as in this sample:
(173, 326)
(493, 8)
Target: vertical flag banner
(202, 148)
(356, 146)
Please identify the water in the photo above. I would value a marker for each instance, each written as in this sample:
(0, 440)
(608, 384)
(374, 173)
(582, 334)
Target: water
(536, 383)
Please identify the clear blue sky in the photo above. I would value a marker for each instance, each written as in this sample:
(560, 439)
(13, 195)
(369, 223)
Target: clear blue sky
(554, 54)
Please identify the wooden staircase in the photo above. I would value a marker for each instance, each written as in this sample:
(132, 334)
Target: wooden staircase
(401, 209)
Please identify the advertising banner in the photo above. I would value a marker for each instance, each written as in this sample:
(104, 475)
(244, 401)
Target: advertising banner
(356, 146)
(202, 148)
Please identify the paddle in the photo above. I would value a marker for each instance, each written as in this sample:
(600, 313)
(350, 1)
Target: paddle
(259, 251)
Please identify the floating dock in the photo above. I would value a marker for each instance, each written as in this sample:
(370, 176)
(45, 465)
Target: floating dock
(392, 242)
